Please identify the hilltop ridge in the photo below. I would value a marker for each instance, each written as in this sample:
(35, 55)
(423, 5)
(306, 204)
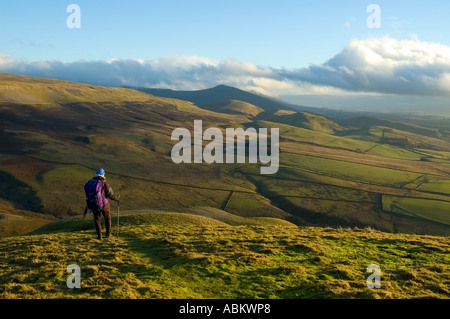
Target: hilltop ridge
(163, 255)
(220, 94)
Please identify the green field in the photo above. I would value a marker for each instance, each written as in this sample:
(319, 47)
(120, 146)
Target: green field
(438, 211)
(349, 171)
(350, 144)
(394, 152)
(436, 186)
(435, 154)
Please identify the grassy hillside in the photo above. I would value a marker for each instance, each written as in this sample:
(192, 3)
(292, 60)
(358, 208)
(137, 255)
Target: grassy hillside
(305, 120)
(234, 107)
(173, 255)
(219, 230)
(30, 90)
(369, 122)
(15, 221)
(55, 134)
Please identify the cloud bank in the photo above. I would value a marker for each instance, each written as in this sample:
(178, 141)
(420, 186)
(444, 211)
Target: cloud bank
(380, 65)
(383, 65)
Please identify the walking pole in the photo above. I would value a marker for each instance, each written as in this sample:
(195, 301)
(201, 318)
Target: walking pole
(118, 218)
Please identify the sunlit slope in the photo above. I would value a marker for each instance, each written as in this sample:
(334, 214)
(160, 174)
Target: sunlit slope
(305, 120)
(234, 107)
(170, 255)
(31, 90)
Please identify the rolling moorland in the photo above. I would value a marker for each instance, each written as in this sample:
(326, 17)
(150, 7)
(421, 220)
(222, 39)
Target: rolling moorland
(363, 189)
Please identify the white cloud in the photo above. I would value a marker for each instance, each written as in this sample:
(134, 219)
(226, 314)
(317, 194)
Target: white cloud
(6, 61)
(383, 65)
(379, 65)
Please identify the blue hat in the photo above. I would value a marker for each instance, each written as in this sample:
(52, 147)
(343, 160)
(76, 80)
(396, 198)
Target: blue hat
(100, 172)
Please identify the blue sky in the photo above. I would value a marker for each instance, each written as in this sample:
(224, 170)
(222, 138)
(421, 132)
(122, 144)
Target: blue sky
(268, 33)
(282, 47)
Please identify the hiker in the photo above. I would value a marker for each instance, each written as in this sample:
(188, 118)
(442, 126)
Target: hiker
(98, 191)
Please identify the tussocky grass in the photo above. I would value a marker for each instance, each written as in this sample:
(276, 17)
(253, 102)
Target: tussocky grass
(177, 256)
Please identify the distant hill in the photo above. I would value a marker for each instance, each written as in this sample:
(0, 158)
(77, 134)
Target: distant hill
(366, 122)
(233, 107)
(305, 120)
(220, 94)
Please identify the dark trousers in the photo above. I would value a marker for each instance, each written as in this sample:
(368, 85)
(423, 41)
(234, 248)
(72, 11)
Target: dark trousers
(98, 222)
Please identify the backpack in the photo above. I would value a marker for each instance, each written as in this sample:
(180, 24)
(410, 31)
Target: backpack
(94, 199)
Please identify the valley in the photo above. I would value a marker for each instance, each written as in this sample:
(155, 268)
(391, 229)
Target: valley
(332, 173)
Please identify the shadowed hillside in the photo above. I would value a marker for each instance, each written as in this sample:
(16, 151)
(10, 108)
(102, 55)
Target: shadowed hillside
(219, 94)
